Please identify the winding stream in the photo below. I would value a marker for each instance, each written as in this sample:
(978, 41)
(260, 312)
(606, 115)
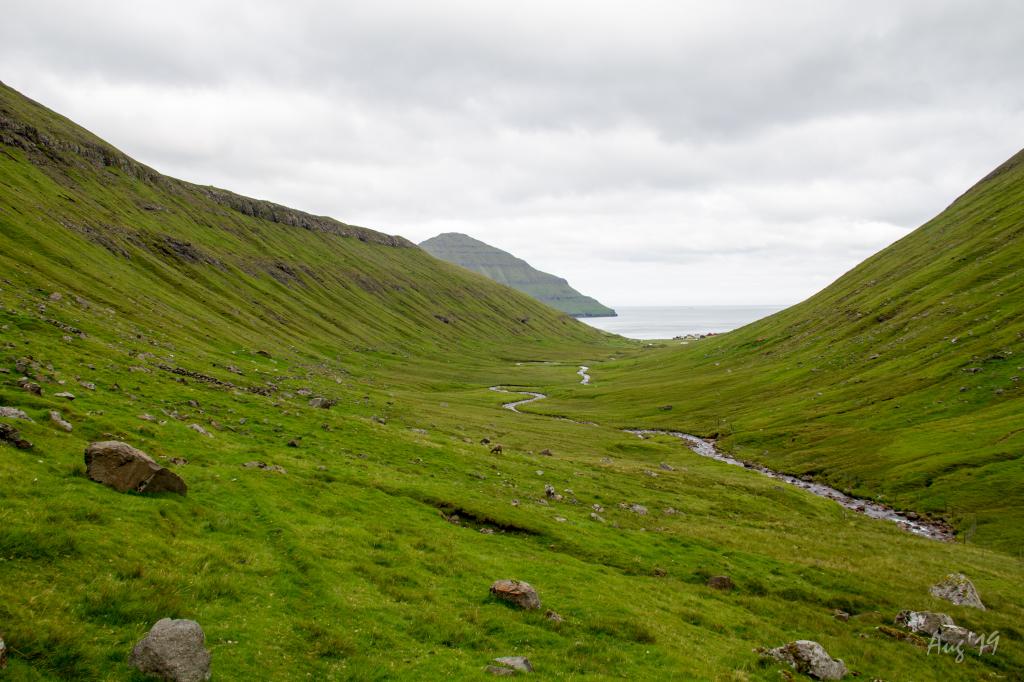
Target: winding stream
(585, 378)
(514, 405)
(706, 448)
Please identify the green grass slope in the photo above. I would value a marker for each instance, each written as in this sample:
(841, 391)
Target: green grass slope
(182, 305)
(80, 216)
(505, 268)
(902, 380)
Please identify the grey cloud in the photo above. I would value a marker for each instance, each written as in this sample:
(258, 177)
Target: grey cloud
(584, 136)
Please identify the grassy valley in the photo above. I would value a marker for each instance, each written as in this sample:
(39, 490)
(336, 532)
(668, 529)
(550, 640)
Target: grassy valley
(901, 381)
(164, 306)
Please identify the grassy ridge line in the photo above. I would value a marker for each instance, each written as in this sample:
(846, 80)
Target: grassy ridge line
(902, 380)
(183, 254)
(50, 137)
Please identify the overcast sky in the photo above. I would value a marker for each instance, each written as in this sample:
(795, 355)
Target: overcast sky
(651, 152)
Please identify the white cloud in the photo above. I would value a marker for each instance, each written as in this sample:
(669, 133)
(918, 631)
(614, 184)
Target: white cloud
(671, 152)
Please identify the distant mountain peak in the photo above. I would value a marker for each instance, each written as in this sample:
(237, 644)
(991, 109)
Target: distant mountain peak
(503, 267)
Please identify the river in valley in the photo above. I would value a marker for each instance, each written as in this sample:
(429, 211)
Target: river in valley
(909, 521)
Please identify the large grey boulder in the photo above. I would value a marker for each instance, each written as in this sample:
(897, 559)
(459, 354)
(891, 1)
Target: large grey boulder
(9, 434)
(14, 413)
(958, 635)
(173, 650)
(517, 593)
(3, 654)
(517, 663)
(958, 589)
(200, 430)
(59, 421)
(810, 658)
(30, 386)
(125, 468)
(928, 622)
(939, 626)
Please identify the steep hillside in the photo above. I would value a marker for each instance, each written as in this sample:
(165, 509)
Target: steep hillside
(901, 380)
(505, 268)
(93, 222)
(323, 391)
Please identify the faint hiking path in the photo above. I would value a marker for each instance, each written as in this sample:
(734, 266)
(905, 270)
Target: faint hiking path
(908, 521)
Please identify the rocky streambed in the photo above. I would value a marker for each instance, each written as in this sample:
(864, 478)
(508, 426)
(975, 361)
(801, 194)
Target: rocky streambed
(908, 521)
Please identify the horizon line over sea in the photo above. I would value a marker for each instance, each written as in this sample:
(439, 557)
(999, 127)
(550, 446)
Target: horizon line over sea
(666, 322)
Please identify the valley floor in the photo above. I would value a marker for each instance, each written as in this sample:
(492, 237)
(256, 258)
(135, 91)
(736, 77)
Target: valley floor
(351, 566)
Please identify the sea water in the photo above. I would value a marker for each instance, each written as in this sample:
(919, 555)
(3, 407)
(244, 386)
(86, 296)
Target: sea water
(666, 322)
